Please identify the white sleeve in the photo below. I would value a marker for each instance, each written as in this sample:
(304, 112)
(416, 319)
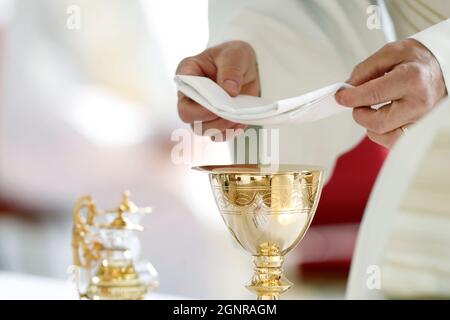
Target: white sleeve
(436, 39)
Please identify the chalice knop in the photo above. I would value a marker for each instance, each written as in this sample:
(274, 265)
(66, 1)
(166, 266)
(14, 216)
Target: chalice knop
(268, 212)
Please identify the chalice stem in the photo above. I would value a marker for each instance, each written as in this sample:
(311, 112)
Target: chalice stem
(268, 281)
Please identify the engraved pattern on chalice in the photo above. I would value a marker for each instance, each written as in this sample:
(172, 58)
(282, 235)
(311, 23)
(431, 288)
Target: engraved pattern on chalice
(268, 213)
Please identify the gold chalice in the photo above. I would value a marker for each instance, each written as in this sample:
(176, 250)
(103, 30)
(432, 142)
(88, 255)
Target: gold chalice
(268, 212)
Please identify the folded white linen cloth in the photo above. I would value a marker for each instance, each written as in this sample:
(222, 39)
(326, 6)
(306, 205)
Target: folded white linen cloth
(308, 107)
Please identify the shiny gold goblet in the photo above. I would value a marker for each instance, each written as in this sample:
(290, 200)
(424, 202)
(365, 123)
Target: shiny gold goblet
(268, 212)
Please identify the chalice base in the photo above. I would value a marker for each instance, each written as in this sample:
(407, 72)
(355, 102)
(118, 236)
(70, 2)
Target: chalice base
(116, 280)
(268, 281)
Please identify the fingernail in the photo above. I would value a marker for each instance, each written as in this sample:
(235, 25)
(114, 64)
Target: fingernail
(231, 86)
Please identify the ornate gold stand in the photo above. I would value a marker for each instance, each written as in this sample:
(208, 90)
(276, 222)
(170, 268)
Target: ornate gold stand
(116, 280)
(102, 251)
(268, 282)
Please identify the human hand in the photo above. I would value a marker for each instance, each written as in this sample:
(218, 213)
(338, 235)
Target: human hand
(232, 65)
(403, 73)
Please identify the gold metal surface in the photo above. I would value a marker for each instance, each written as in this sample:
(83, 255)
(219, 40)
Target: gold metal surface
(268, 213)
(116, 280)
(103, 253)
(86, 249)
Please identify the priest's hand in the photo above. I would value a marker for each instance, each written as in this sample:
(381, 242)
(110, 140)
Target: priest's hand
(403, 74)
(232, 65)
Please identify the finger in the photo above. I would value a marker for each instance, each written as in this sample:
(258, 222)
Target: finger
(387, 88)
(212, 128)
(199, 65)
(387, 140)
(190, 111)
(378, 64)
(232, 65)
(189, 67)
(386, 118)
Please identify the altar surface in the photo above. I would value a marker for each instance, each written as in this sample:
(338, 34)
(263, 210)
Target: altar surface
(19, 286)
(16, 286)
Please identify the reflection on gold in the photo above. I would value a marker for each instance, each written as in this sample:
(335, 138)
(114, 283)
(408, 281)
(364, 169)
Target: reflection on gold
(116, 279)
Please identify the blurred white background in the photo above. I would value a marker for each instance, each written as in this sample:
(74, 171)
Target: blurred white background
(91, 111)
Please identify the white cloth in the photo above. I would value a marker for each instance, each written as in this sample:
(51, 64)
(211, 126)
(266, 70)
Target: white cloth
(413, 16)
(311, 106)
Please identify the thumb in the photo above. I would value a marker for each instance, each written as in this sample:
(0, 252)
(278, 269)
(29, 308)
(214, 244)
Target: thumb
(231, 68)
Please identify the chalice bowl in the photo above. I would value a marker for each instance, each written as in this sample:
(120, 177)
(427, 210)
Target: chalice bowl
(268, 212)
